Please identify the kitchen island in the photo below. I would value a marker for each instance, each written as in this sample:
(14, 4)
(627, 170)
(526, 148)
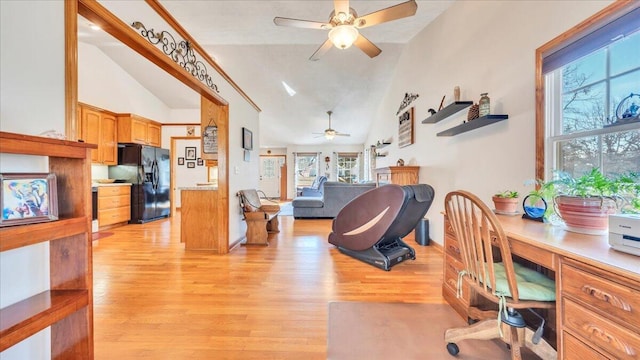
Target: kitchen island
(198, 225)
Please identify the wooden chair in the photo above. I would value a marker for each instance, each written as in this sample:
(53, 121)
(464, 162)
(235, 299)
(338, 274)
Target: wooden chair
(491, 273)
(261, 218)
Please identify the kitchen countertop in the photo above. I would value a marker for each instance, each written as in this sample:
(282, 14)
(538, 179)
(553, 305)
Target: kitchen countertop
(209, 188)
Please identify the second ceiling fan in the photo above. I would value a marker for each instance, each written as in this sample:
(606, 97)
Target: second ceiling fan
(344, 23)
(330, 133)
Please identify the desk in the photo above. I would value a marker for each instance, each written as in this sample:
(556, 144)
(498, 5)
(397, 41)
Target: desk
(598, 288)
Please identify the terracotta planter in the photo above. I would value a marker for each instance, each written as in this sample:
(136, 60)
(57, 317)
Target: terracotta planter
(588, 215)
(506, 205)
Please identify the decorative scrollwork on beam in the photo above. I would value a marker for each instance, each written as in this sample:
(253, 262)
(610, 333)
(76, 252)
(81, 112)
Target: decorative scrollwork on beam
(408, 99)
(180, 52)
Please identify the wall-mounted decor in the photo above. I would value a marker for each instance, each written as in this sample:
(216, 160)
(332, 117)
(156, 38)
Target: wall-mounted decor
(405, 128)
(180, 161)
(28, 198)
(247, 155)
(191, 131)
(210, 140)
(247, 139)
(408, 99)
(200, 162)
(191, 164)
(190, 153)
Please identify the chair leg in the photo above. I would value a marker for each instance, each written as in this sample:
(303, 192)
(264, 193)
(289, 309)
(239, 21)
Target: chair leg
(482, 330)
(514, 341)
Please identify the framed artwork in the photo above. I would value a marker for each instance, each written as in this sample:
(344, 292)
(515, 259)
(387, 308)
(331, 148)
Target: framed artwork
(405, 128)
(247, 155)
(191, 131)
(180, 161)
(200, 162)
(247, 139)
(28, 198)
(191, 164)
(190, 153)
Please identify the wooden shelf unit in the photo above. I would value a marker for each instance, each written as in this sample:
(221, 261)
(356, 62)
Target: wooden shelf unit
(447, 111)
(473, 124)
(68, 306)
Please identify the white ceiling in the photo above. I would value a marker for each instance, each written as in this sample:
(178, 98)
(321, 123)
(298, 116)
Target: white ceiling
(258, 56)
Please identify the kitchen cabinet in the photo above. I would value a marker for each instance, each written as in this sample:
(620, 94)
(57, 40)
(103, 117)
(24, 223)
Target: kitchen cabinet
(138, 130)
(67, 306)
(100, 128)
(114, 205)
(399, 175)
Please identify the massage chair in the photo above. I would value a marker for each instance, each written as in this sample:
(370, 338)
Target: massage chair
(370, 227)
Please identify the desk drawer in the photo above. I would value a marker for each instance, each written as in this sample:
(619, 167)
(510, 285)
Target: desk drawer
(575, 349)
(619, 301)
(452, 268)
(600, 332)
(452, 247)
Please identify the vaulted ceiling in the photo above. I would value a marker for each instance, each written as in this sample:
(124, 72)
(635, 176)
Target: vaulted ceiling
(259, 56)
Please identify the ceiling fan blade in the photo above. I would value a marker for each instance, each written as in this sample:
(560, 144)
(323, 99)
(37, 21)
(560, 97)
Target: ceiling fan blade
(395, 12)
(321, 50)
(306, 24)
(367, 46)
(341, 134)
(341, 6)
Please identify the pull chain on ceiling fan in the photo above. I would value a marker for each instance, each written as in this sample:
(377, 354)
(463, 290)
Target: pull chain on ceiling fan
(344, 23)
(330, 133)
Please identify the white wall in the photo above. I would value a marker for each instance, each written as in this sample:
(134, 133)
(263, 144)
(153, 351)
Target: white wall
(481, 46)
(31, 101)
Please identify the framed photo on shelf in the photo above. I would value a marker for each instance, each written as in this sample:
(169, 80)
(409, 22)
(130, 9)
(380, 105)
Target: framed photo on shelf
(247, 139)
(405, 128)
(191, 164)
(28, 198)
(180, 161)
(190, 153)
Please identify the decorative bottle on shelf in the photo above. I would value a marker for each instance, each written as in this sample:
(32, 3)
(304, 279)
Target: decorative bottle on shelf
(484, 105)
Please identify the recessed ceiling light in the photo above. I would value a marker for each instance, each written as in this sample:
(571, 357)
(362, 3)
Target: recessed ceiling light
(288, 88)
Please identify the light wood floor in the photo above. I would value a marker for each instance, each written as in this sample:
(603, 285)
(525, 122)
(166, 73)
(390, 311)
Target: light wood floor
(153, 300)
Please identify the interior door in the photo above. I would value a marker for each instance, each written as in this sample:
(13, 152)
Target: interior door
(270, 175)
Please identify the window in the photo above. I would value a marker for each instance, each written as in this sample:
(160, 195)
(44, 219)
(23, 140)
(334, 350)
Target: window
(581, 96)
(348, 167)
(306, 168)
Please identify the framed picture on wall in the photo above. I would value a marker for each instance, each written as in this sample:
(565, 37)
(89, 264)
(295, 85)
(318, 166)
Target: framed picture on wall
(200, 162)
(247, 139)
(191, 164)
(180, 161)
(405, 128)
(190, 153)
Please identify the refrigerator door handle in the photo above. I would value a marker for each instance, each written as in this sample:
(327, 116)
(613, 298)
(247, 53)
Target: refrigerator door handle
(156, 174)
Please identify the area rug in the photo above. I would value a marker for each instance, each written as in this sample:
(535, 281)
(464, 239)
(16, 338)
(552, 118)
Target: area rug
(360, 330)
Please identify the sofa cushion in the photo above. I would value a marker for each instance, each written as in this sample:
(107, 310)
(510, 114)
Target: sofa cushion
(307, 202)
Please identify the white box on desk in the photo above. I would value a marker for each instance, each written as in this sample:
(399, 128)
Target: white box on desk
(624, 233)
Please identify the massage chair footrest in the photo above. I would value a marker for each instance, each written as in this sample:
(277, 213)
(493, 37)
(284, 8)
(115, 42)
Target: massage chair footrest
(383, 256)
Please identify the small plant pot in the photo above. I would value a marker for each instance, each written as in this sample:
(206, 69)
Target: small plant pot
(586, 215)
(506, 205)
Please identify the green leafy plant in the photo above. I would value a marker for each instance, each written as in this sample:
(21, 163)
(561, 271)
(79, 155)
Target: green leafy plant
(507, 194)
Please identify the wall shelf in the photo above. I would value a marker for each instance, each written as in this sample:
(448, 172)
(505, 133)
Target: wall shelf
(67, 307)
(473, 124)
(383, 145)
(447, 111)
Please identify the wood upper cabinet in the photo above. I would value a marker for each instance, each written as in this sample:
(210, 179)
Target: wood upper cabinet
(136, 129)
(100, 128)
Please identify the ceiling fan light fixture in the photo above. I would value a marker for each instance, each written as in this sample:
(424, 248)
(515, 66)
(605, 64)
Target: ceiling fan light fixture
(343, 36)
(329, 134)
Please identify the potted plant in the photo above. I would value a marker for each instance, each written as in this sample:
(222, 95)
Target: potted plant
(506, 202)
(584, 203)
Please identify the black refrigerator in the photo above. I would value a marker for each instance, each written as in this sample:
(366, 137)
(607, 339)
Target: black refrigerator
(148, 168)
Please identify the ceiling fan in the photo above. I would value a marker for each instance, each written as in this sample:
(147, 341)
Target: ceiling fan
(330, 133)
(344, 23)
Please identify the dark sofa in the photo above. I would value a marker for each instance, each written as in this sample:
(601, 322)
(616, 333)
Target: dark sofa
(334, 197)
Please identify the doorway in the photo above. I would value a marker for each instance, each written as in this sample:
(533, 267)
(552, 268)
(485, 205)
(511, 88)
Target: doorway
(270, 175)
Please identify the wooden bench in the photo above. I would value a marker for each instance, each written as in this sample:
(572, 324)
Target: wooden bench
(261, 219)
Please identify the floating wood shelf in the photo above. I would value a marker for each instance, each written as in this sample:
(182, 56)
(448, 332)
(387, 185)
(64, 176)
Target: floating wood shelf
(383, 145)
(447, 111)
(27, 317)
(17, 236)
(473, 124)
